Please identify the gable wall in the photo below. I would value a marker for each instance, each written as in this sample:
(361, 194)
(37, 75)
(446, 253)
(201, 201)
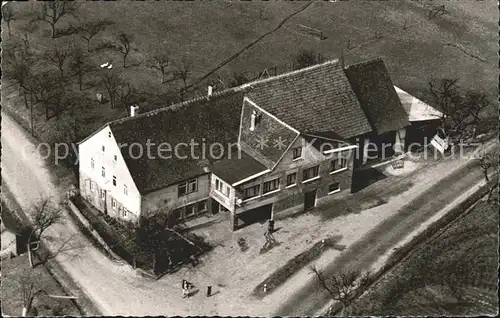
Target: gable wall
(92, 148)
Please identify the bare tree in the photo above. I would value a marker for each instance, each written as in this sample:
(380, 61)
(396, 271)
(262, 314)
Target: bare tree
(59, 56)
(159, 61)
(112, 82)
(489, 161)
(342, 287)
(44, 215)
(157, 234)
(306, 58)
(79, 64)
(19, 70)
(183, 71)
(127, 95)
(90, 29)
(53, 11)
(124, 45)
(461, 111)
(238, 79)
(8, 15)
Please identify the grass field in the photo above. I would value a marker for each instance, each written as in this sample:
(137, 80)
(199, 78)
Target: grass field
(459, 44)
(450, 275)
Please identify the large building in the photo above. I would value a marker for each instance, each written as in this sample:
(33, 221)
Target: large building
(274, 146)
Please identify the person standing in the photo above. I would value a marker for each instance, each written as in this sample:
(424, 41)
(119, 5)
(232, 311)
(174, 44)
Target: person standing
(185, 289)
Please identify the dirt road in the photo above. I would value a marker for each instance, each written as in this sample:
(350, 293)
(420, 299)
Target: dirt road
(385, 236)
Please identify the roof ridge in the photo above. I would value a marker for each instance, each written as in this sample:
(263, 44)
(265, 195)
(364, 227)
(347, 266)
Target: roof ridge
(176, 106)
(366, 62)
(250, 84)
(220, 93)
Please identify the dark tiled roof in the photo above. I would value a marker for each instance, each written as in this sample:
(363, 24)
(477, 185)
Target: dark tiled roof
(314, 99)
(9, 220)
(202, 121)
(373, 87)
(236, 168)
(324, 144)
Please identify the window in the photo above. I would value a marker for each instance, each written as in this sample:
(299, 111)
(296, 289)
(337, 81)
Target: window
(310, 173)
(116, 158)
(178, 214)
(92, 163)
(251, 192)
(202, 206)
(125, 211)
(333, 188)
(103, 148)
(109, 134)
(103, 172)
(103, 194)
(91, 185)
(188, 187)
(338, 164)
(190, 210)
(193, 185)
(113, 203)
(254, 120)
(222, 187)
(297, 153)
(182, 190)
(114, 181)
(125, 189)
(291, 179)
(271, 186)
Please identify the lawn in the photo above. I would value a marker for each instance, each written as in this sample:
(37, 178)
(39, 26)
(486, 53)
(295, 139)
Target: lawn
(14, 272)
(450, 275)
(459, 44)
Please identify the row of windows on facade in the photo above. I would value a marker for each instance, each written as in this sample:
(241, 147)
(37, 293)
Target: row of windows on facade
(191, 210)
(103, 174)
(102, 193)
(291, 179)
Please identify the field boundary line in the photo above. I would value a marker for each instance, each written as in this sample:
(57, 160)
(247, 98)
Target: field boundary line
(246, 47)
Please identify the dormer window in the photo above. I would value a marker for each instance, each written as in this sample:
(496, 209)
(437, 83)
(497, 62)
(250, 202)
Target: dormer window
(254, 120)
(297, 153)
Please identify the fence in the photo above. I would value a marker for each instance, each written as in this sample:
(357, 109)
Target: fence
(86, 223)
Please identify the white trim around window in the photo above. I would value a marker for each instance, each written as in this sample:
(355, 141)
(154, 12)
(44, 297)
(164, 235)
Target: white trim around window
(339, 170)
(271, 192)
(312, 179)
(336, 190)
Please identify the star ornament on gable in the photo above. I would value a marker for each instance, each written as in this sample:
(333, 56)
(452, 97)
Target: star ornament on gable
(279, 143)
(262, 142)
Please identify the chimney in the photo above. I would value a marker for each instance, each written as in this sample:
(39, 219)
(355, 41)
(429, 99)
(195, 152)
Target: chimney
(210, 89)
(133, 108)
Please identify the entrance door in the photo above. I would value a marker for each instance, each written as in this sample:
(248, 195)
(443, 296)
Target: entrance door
(215, 207)
(310, 200)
